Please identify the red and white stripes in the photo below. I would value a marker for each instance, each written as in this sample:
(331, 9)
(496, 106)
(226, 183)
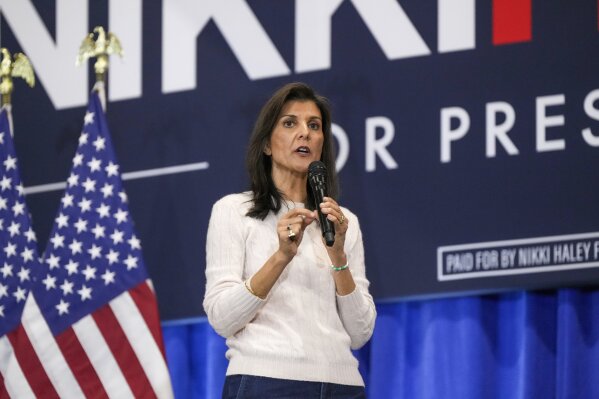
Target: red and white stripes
(115, 352)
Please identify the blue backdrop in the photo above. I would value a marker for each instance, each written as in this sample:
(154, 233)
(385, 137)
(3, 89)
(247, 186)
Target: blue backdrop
(467, 134)
(515, 345)
(467, 131)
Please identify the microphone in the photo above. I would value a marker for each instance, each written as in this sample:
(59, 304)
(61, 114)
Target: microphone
(317, 177)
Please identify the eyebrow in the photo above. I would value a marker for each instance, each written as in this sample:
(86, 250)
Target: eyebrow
(295, 116)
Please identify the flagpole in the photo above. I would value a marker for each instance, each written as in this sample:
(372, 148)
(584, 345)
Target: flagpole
(100, 88)
(98, 332)
(21, 241)
(8, 109)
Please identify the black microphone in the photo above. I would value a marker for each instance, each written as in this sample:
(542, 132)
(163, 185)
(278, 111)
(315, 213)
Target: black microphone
(317, 177)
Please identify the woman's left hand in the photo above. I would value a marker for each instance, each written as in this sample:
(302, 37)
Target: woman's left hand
(331, 209)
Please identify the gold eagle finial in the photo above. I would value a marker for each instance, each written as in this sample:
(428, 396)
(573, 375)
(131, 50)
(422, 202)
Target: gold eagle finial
(100, 47)
(20, 67)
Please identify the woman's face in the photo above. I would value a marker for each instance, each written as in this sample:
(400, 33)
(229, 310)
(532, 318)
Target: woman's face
(297, 138)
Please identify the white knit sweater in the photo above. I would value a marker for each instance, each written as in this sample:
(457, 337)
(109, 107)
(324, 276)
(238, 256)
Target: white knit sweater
(303, 330)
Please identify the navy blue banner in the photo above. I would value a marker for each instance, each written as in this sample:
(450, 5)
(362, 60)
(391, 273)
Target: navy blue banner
(465, 129)
(532, 255)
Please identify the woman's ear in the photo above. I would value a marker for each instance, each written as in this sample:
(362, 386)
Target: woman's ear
(267, 150)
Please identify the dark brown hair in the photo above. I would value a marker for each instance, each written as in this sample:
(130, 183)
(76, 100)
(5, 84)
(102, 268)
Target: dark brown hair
(266, 196)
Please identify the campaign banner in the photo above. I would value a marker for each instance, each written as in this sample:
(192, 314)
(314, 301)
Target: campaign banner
(531, 255)
(467, 132)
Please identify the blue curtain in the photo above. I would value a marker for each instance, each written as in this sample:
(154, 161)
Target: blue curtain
(514, 345)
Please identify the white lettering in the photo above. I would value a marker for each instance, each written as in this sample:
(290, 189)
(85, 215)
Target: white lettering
(582, 250)
(342, 146)
(376, 146)
(182, 22)
(385, 19)
(486, 260)
(565, 253)
(391, 28)
(447, 134)
(533, 256)
(544, 121)
(313, 34)
(463, 262)
(592, 112)
(507, 258)
(497, 132)
(456, 25)
(124, 20)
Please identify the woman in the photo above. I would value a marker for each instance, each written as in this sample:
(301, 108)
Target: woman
(290, 307)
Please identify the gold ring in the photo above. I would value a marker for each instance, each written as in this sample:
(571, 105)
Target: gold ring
(342, 219)
(290, 234)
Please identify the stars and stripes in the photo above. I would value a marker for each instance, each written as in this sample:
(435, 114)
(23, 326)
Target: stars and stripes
(91, 327)
(19, 263)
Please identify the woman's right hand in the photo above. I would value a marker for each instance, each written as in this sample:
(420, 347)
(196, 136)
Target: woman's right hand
(290, 230)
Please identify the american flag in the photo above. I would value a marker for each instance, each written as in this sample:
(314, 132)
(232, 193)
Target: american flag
(91, 326)
(18, 251)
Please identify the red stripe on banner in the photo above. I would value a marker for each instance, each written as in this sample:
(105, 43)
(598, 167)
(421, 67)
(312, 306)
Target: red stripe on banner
(123, 353)
(79, 363)
(3, 392)
(512, 21)
(30, 364)
(145, 300)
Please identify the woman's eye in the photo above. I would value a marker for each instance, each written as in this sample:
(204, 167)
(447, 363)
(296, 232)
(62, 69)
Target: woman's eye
(314, 126)
(288, 123)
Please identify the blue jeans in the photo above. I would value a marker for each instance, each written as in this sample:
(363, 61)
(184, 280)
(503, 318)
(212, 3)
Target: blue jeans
(254, 387)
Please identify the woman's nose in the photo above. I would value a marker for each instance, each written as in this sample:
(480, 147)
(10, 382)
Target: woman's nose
(305, 131)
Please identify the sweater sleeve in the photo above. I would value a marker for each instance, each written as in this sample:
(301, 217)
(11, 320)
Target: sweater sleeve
(357, 310)
(227, 303)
